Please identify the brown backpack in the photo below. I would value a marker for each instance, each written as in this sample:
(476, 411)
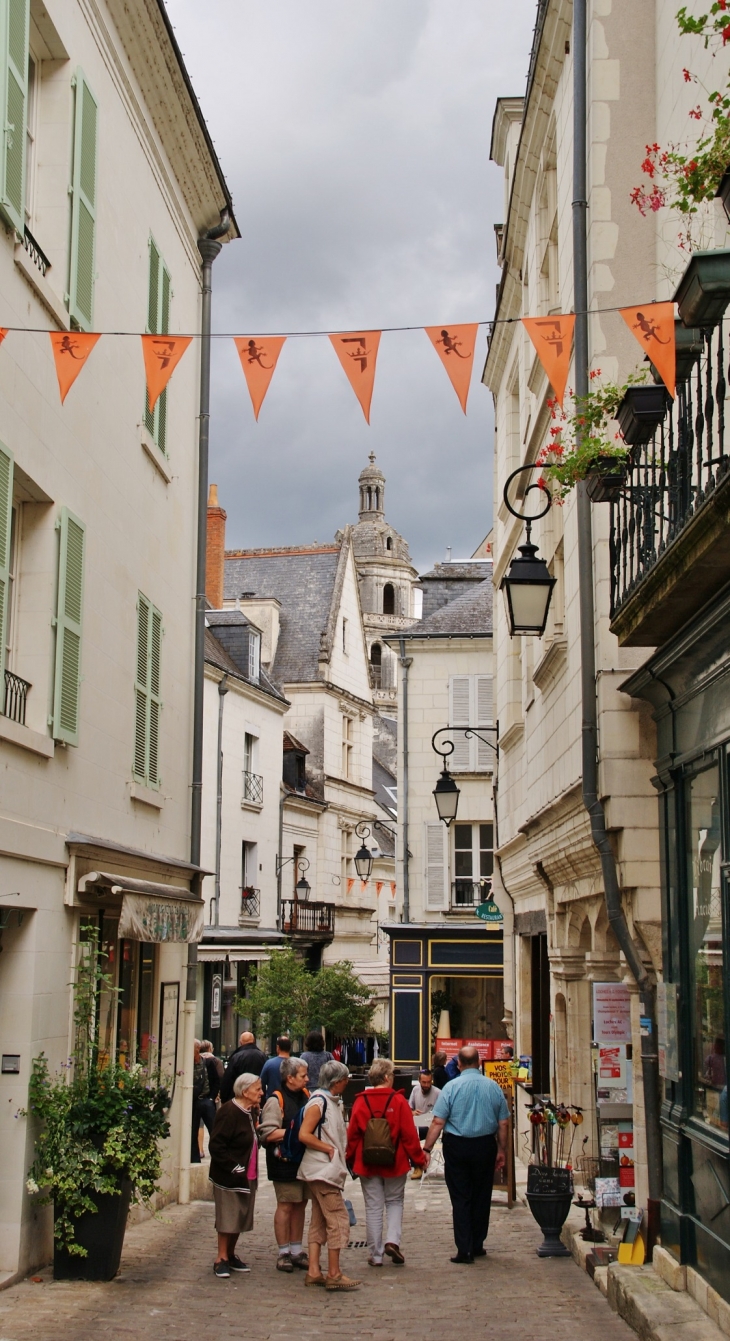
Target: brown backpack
(377, 1142)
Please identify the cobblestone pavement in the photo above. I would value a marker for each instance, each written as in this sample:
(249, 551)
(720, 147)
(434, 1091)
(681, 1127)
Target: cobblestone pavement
(166, 1289)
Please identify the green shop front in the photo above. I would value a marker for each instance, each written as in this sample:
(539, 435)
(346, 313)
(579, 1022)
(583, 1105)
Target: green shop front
(436, 967)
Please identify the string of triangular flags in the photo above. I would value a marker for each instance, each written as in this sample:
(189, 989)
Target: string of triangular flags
(651, 323)
(364, 884)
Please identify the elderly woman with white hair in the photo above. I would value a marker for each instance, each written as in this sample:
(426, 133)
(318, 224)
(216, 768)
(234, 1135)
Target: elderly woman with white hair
(234, 1170)
(324, 1170)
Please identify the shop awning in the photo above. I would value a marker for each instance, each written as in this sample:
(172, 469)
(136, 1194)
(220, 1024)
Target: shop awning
(150, 912)
(236, 954)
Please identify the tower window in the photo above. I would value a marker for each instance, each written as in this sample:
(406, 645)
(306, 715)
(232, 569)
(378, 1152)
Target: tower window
(388, 599)
(389, 542)
(377, 500)
(376, 664)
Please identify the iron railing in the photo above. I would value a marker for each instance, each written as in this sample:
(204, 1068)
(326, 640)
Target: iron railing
(250, 901)
(37, 255)
(667, 481)
(298, 917)
(253, 788)
(16, 693)
(468, 893)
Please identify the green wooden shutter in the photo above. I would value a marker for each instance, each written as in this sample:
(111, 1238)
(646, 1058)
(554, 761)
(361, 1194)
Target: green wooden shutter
(153, 770)
(153, 302)
(67, 677)
(158, 323)
(6, 521)
(14, 28)
(83, 206)
(161, 406)
(147, 694)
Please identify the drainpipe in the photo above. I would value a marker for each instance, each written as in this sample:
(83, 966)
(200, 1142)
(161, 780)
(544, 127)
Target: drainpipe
(278, 864)
(591, 800)
(495, 796)
(222, 691)
(405, 662)
(209, 246)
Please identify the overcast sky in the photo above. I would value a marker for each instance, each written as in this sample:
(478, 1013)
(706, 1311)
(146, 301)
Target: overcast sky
(355, 141)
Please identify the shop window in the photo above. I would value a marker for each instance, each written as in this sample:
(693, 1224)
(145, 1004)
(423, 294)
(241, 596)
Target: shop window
(704, 915)
(540, 1014)
(475, 1005)
(126, 1001)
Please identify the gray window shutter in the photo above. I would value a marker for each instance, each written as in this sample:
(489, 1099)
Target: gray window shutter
(69, 610)
(6, 522)
(83, 205)
(435, 866)
(485, 717)
(459, 709)
(14, 29)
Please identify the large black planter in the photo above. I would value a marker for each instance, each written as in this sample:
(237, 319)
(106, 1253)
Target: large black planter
(549, 1196)
(605, 481)
(704, 289)
(101, 1234)
(689, 344)
(641, 412)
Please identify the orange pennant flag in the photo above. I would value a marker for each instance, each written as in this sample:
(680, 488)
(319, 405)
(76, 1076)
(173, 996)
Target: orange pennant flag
(3, 332)
(378, 887)
(70, 351)
(392, 888)
(350, 883)
(455, 347)
(358, 352)
(653, 326)
(259, 356)
(162, 353)
(553, 340)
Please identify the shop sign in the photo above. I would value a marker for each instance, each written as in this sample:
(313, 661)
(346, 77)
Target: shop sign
(451, 1046)
(159, 921)
(502, 1073)
(611, 1012)
(216, 991)
(489, 912)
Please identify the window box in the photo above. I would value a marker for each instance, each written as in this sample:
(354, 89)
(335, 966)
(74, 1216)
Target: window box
(604, 483)
(723, 192)
(704, 289)
(641, 412)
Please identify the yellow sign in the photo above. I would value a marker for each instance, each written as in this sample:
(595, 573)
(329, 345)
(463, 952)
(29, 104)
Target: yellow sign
(502, 1073)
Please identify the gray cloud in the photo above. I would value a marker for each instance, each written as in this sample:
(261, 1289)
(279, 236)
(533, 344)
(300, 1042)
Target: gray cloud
(355, 140)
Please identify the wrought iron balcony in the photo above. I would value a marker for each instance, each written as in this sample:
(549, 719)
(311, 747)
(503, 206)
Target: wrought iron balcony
(37, 256)
(313, 920)
(669, 546)
(16, 693)
(253, 788)
(250, 902)
(469, 893)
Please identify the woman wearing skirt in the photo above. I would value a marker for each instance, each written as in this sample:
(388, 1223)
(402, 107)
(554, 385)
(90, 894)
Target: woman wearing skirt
(234, 1171)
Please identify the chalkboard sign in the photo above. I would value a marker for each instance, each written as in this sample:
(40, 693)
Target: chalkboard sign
(554, 1182)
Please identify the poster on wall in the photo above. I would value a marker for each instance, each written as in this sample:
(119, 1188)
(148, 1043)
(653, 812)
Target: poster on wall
(611, 1013)
(169, 1003)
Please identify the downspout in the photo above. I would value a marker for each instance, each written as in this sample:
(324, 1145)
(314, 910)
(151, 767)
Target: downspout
(405, 662)
(612, 892)
(222, 691)
(278, 864)
(495, 794)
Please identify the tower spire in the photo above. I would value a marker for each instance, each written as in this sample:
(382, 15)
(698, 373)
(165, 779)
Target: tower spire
(372, 492)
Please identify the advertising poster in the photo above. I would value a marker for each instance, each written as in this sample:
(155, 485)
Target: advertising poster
(611, 1013)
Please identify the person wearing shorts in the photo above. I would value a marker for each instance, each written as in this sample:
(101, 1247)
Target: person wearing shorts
(279, 1111)
(324, 1171)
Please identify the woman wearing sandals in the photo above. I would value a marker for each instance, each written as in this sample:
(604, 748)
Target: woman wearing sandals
(324, 1170)
(384, 1184)
(234, 1171)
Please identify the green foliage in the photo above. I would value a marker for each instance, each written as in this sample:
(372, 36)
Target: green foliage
(339, 1001)
(579, 438)
(284, 997)
(100, 1123)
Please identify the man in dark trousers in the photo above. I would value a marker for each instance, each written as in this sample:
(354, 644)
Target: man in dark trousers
(472, 1113)
(247, 1057)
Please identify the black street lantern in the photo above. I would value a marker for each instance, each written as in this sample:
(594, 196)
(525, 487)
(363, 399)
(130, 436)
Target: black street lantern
(446, 795)
(363, 857)
(528, 585)
(303, 888)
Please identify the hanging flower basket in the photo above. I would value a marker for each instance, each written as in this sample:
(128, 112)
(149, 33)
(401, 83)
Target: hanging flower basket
(641, 412)
(704, 289)
(605, 480)
(723, 192)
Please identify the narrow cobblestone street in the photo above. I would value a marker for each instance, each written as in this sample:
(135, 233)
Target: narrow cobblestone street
(166, 1287)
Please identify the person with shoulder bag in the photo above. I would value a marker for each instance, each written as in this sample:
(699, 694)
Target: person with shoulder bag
(324, 1170)
(382, 1145)
(278, 1135)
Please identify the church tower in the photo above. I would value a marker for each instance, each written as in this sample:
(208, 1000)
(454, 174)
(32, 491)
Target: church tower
(387, 581)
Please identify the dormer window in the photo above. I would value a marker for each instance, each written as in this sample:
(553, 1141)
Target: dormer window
(254, 655)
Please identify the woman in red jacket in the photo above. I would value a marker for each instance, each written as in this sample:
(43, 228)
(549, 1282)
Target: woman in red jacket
(383, 1185)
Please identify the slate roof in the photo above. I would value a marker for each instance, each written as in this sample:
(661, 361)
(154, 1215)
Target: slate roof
(446, 581)
(303, 580)
(382, 778)
(469, 615)
(216, 655)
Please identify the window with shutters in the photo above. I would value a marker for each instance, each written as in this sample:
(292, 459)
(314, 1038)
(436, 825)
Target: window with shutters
(473, 863)
(14, 33)
(83, 206)
(148, 703)
(69, 611)
(7, 556)
(158, 323)
(435, 881)
(471, 705)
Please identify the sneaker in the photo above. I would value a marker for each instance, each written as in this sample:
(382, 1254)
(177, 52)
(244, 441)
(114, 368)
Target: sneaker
(314, 1280)
(236, 1264)
(372, 1262)
(221, 1270)
(300, 1260)
(284, 1262)
(394, 1253)
(341, 1282)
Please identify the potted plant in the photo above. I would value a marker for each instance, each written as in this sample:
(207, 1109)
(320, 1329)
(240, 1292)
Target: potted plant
(581, 447)
(703, 292)
(723, 192)
(640, 413)
(99, 1140)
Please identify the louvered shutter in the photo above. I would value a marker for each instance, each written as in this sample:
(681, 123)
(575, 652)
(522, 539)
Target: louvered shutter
(153, 302)
(67, 676)
(6, 521)
(459, 706)
(483, 694)
(83, 206)
(15, 21)
(153, 769)
(435, 866)
(147, 701)
(158, 323)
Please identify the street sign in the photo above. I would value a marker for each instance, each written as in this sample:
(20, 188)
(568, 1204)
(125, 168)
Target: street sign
(489, 912)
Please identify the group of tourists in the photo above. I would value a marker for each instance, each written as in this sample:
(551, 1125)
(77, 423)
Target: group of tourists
(290, 1109)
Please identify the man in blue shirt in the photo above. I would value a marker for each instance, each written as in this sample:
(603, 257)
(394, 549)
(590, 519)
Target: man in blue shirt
(472, 1113)
(271, 1069)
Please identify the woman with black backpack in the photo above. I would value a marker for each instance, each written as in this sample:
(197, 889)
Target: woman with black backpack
(382, 1144)
(277, 1135)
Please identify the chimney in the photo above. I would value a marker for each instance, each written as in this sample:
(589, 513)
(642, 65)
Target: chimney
(215, 547)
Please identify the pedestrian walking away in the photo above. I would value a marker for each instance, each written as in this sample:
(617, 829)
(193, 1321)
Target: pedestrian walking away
(201, 1102)
(246, 1058)
(276, 1135)
(382, 1144)
(271, 1071)
(208, 1104)
(421, 1102)
(234, 1171)
(472, 1113)
(315, 1055)
(324, 1169)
